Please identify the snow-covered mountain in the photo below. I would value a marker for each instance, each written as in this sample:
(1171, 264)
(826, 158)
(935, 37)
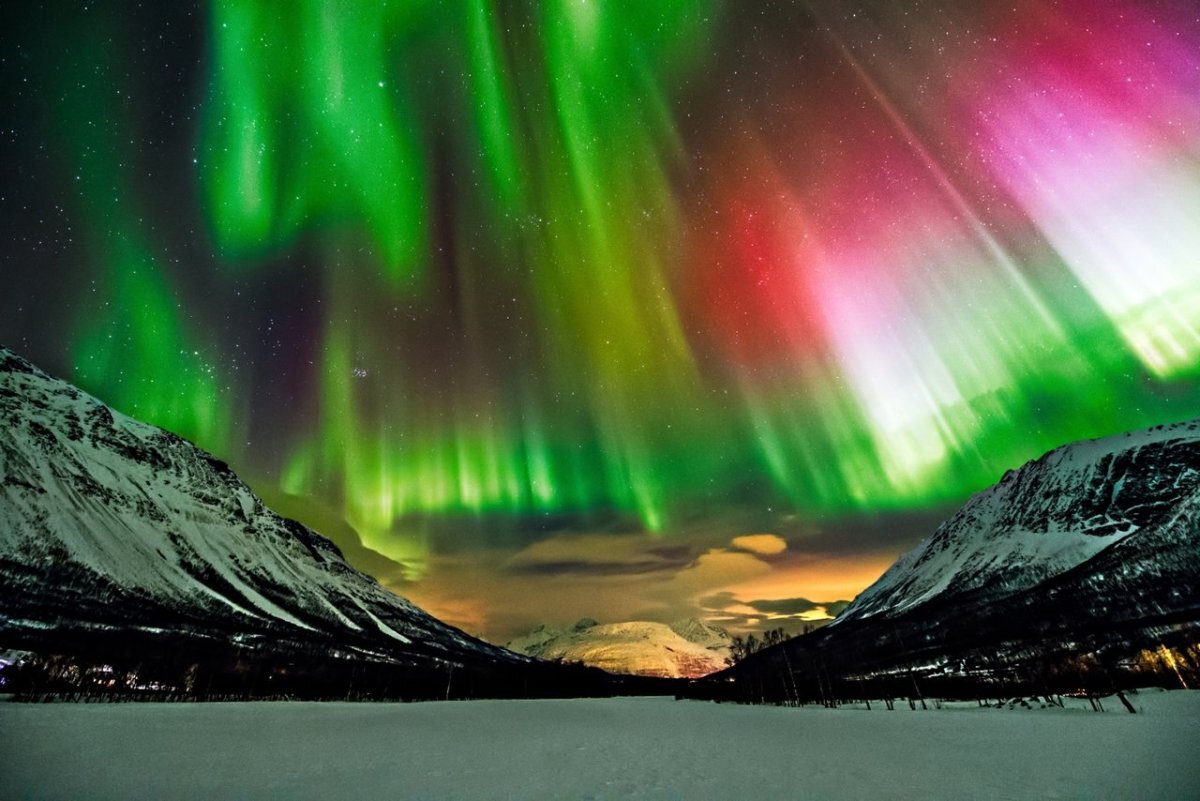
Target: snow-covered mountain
(1045, 519)
(687, 649)
(714, 638)
(109, 524)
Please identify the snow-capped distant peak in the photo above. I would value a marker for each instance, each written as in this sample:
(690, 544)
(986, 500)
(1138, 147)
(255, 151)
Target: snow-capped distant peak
(633, 647)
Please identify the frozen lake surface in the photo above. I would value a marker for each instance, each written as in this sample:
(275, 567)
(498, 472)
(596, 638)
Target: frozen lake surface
(597, 749)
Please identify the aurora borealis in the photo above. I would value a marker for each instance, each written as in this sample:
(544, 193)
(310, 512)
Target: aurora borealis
(482, 277)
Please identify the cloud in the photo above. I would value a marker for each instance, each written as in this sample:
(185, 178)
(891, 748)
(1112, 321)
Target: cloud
(501, 587)
(502, 590)
(598, 554)
(835, 608)
(717, 569)
(800, 574)
(588, 568)
(797, 609)
(332, 525)
(787, 607)
(718, 601)
(727, 609)
(859, 533)
(739, 623)
(761, 544)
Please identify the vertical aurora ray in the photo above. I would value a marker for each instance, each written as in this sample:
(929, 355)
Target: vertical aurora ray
(579, 424)
(318, 134)
(908, 338)
(132, 340)
(1099, 145)
(634, 262)
(137, 350)
(918, 320)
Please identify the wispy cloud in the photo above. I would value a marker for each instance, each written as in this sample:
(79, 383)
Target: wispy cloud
(744, 581)
(762, 544)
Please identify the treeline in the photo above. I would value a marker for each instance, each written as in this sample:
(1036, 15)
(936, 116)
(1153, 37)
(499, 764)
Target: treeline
(873, 664)
(119, 667)
(742, 647)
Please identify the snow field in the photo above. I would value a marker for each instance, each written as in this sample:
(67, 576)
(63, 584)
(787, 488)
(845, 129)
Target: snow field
(598, 749)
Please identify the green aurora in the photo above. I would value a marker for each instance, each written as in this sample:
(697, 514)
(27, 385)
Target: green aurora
(486, 264)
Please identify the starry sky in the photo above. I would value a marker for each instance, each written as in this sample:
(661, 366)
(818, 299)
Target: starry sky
(607, 307)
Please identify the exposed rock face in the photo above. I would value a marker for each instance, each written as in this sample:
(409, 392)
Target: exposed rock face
(107, 523)
(1048, 517)
(1063, 576)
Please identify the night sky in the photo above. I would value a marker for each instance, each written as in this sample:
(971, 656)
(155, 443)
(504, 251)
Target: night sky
(619, 309)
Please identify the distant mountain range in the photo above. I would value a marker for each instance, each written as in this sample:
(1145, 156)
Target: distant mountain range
(687, 649)
(1066, 570)
(111, 528)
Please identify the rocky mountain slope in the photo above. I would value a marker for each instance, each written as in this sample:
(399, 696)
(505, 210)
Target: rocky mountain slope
(111, 525)
(1044, 519)
(1079, 572)
(687, 649)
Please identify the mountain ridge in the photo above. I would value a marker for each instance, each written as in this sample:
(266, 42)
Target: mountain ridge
(1114, 605)
(110, 524)
(1044, 518)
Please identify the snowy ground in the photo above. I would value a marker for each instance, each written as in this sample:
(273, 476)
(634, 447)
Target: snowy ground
(601, 749)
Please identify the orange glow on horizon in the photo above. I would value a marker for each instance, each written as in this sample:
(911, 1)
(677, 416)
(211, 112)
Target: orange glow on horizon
(820, 579)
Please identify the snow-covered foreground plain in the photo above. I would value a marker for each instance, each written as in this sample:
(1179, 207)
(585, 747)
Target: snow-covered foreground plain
(597, 749)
